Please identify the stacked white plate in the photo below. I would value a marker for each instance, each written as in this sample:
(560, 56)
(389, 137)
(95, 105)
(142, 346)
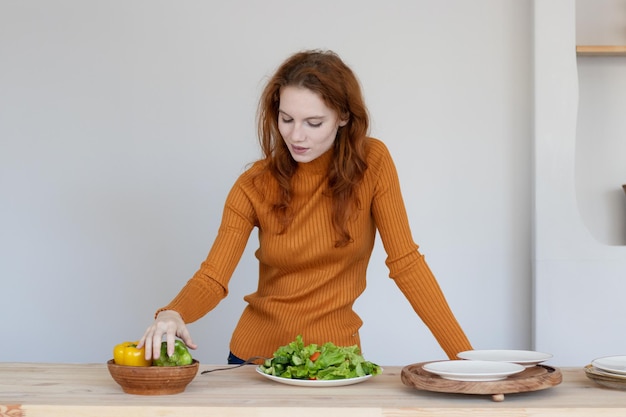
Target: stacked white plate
(611, 364)
(475, 371)
(609, 371)
(486, 365)
(525, 358)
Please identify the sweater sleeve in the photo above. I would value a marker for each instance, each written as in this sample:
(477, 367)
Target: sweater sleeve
(209, 285)
(407, 266)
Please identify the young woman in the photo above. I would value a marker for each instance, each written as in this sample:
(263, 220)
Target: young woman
(317, 197)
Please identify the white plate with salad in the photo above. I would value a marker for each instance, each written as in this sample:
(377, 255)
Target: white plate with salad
(315, 382)
(315, 365)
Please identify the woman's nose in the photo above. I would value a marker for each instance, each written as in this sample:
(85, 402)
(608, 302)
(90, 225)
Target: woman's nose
(297, 134)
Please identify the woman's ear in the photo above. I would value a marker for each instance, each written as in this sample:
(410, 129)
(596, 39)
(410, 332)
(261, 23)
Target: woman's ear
(344, 120)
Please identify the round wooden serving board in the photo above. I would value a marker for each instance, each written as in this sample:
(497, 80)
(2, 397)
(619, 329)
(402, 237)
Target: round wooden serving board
(531, 379)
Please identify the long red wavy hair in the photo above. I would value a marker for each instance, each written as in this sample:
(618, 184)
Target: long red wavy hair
(324, 73)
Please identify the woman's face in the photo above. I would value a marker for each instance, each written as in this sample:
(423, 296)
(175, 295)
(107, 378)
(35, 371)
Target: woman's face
(306, 124)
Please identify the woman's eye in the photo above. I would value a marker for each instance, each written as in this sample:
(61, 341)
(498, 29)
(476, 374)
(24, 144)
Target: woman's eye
(318, 124)
(284, 120)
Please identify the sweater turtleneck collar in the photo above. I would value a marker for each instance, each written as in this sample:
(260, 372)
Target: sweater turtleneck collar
(317, 166)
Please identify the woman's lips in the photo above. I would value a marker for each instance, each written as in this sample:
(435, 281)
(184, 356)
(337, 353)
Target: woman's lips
(298, 149)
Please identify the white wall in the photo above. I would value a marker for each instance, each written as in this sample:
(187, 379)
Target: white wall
(601, 125)
(124, 123)
(579, 278)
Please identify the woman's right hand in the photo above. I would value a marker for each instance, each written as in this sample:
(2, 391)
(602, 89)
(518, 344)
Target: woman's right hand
(170, 324)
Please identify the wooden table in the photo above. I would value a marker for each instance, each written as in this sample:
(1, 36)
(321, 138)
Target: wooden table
(55, 390)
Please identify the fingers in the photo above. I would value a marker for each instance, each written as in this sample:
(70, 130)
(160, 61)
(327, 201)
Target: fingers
(157, 338)
(169, 324)
(170, 338)
(186, 337)
(147, 341)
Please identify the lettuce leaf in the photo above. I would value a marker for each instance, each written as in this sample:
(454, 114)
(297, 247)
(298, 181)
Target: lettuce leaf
(333, 362)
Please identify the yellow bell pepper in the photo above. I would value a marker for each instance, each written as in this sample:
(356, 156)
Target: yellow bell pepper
(127, 354)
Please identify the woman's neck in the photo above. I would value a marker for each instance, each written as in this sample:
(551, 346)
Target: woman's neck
(317, 166)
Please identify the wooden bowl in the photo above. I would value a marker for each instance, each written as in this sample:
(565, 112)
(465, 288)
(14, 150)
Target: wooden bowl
(153, 380)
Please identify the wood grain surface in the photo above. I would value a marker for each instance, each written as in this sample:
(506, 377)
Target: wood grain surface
(54, 390)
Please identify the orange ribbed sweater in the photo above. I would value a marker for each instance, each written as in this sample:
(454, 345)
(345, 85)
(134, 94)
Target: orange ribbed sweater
(307, 286)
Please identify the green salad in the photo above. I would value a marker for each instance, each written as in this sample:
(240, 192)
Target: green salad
(326, 362)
